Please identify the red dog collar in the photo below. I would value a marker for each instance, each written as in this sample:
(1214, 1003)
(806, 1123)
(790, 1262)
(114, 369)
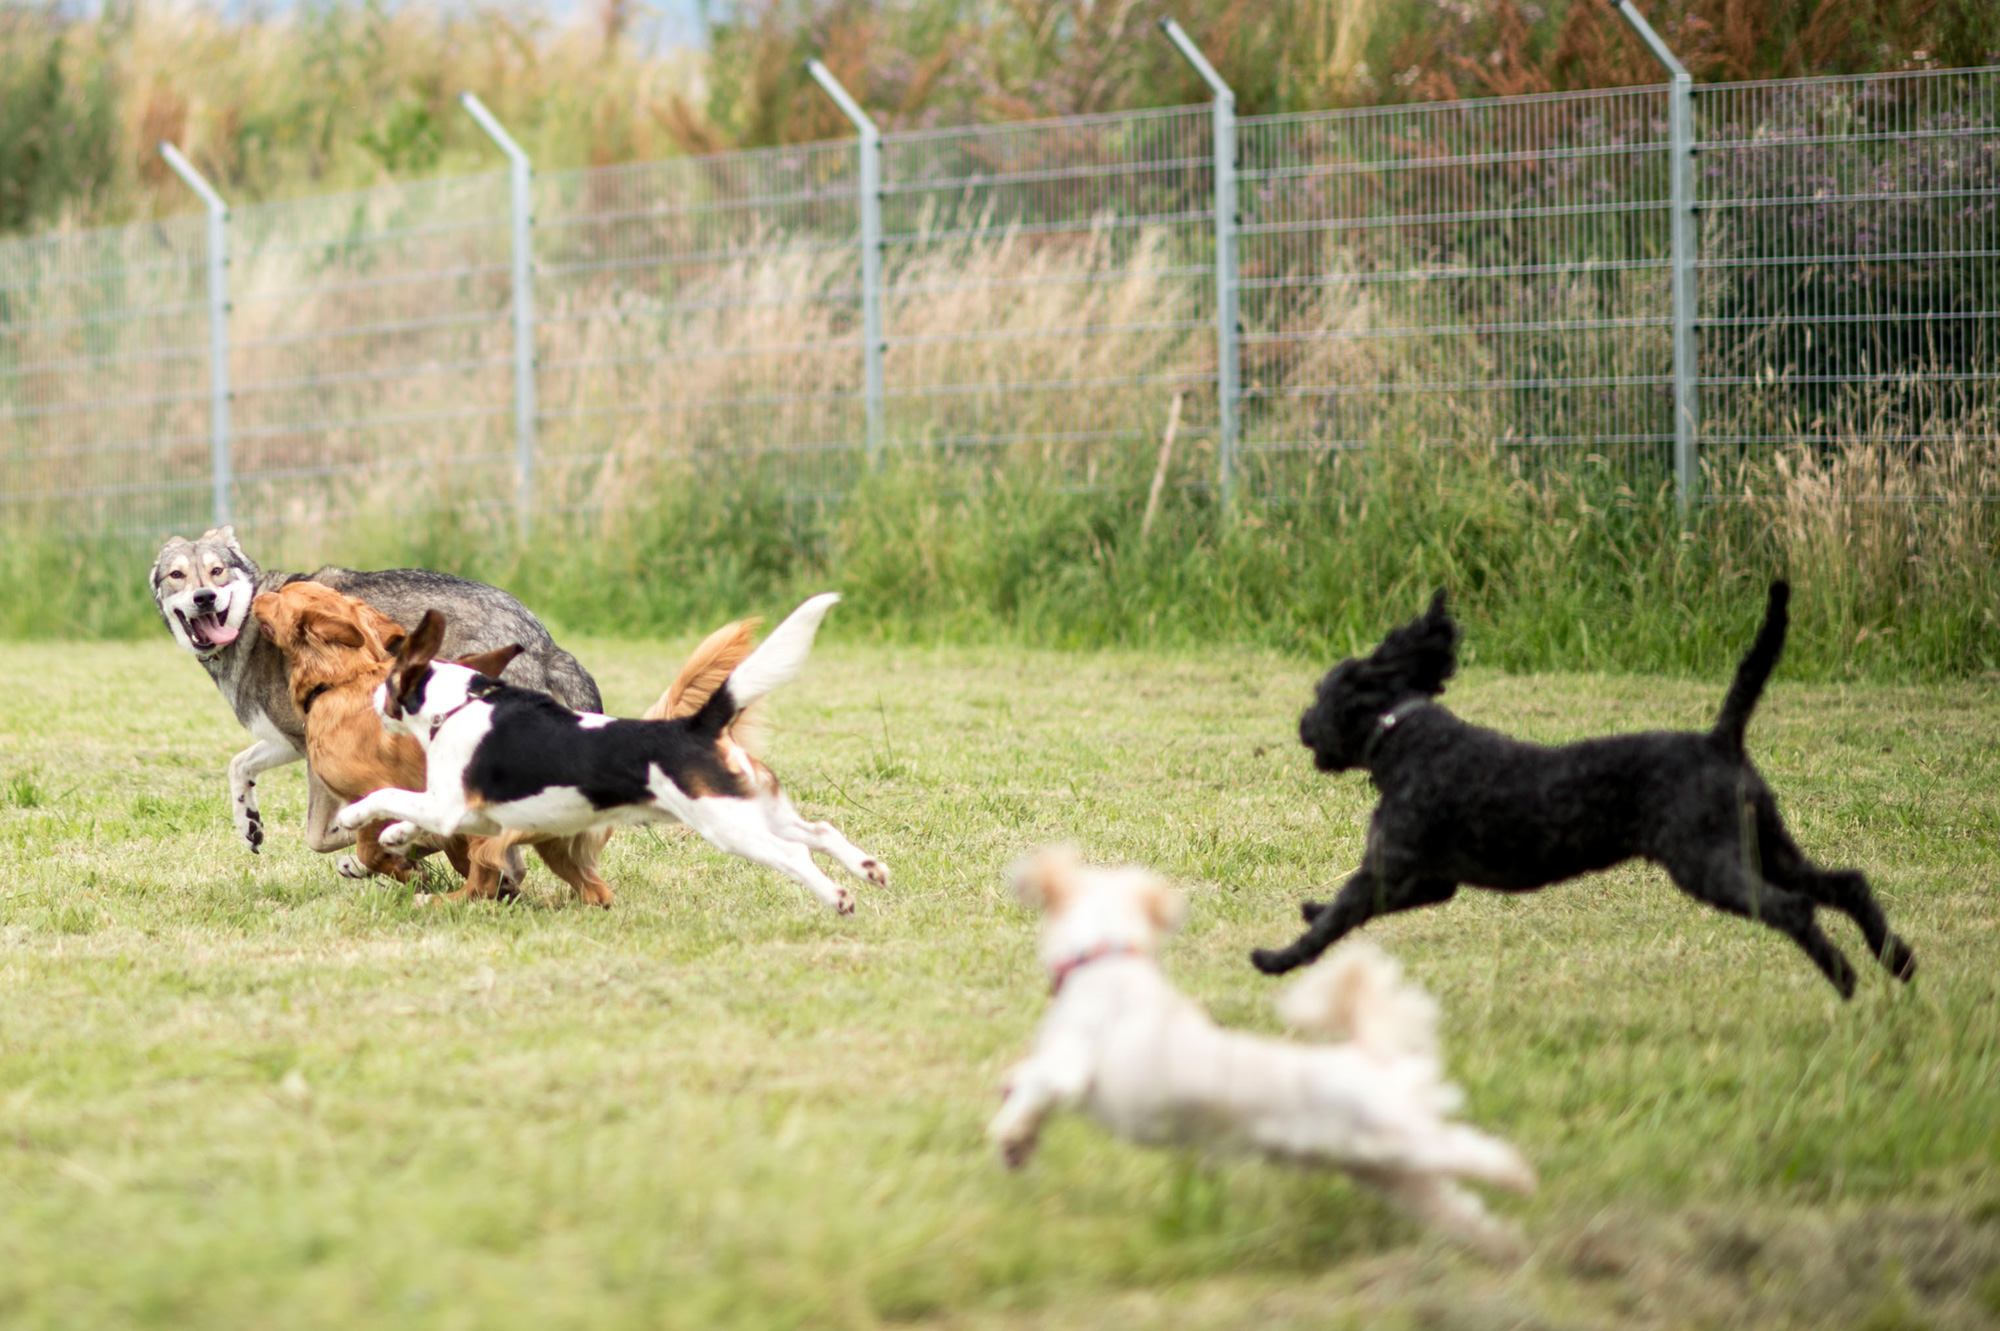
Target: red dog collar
(1063, 969)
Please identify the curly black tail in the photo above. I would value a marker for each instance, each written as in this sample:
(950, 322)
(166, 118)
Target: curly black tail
(1758, 663)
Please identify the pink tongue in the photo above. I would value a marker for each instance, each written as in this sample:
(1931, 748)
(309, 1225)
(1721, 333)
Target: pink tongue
(220, 634)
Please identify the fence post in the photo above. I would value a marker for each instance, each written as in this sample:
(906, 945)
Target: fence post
(521, 173)
(871, 250)
(221, 462)
(1228, 364)
(1680, 157)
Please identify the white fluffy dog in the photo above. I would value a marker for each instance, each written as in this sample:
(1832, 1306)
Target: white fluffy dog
(1148, 1063)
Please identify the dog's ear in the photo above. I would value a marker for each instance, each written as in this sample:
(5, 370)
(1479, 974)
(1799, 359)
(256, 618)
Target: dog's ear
(1165, 906)
(273, 618)
(226, 535)
(1423, 653)
(490, 664)
(413, 663)
(421, 646)
(330, 627)
(1046, 879)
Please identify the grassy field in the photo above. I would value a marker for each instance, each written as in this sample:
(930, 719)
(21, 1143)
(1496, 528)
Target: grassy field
(241, 1091)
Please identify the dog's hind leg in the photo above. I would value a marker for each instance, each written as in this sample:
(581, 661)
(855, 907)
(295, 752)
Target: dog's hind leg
(1444, 1206)
(1717, 877)
(1845, 890)
(739, 826)
(574, 860)
(827, 840)
(1362, 897)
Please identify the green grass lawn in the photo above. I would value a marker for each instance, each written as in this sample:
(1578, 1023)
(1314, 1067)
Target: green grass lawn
(244, 1091)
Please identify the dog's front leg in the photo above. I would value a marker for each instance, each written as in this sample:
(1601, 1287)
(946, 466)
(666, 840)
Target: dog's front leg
(244, 769)
(1055, 1078)
(391, 805)
(321, 805)
(1370, 892)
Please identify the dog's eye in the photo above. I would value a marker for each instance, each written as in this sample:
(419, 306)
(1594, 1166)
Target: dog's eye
(215, 573)
(177, 575)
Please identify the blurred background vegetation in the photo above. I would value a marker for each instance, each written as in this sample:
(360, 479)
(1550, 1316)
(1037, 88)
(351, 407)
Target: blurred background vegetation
(329, 94)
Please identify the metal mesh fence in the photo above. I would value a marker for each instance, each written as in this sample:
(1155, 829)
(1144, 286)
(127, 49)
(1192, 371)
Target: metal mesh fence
(369, 352)
(104, 356)
(1471, 272)
(1850, 262)
(1049, 290)
(1493, 272)
(705, 309)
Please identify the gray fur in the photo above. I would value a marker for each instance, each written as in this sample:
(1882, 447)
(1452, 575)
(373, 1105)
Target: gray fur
(213, 571)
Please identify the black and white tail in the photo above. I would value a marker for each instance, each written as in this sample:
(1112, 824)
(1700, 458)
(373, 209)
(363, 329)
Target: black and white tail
(777, 660)
(1758, 663)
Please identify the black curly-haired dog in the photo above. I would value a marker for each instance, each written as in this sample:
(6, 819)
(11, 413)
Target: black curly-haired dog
(1464, 805)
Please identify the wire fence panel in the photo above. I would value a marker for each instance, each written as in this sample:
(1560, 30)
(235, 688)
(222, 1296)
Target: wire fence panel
(1850, 264)
(370, 362)
(701, 309)
(1048, 291)
(1468, 272)
(104, 374)
(1489, 273)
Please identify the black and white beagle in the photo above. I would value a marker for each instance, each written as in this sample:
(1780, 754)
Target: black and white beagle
(502, 758)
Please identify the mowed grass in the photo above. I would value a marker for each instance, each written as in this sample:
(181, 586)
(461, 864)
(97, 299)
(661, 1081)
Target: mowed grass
(244, 1091)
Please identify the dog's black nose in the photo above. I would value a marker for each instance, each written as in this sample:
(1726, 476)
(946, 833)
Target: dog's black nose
(204, 598)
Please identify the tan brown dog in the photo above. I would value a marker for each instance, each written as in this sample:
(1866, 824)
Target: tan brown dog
(337, 649)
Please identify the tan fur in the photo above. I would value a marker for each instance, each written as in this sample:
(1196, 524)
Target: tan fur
(331, 639)
(334, 640)
(337, 640)
(1046, 880)
(712, 661)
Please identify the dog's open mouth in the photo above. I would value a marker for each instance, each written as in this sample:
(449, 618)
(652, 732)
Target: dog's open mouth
(209, 630)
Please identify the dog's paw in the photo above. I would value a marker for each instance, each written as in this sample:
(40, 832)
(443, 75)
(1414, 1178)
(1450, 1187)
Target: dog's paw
(843, 901)
(1271, 961)
(1015, 1151)
(350, 817)
(875, 872)
(349, 866)
(249, 820)
(1312, 910)
(397, 836)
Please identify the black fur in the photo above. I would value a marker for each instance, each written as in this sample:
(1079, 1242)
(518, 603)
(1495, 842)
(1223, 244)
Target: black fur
(536, 743)
(1464, 805)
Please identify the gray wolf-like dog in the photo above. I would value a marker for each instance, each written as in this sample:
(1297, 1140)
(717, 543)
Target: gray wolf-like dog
(203, 589)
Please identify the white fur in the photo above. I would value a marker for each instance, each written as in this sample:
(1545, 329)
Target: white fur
(1121, 1043)
(233, 595)
(762, 828)
(780, 657)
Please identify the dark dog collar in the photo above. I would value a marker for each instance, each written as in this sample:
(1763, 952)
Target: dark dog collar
(1062, 970)
(312, 696)
(1387, 722)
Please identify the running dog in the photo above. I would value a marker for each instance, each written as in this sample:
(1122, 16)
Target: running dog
(1461, 805)
(203, 590)
(506, 759)
(338, 649)
(1122, 1043)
